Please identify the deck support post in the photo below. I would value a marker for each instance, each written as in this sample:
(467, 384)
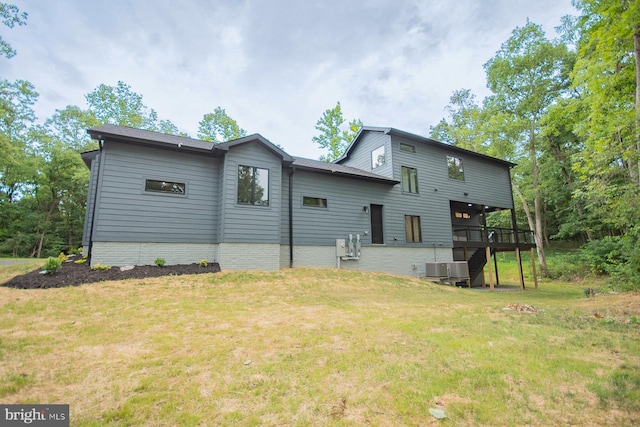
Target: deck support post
(533, 266)
(520, 275)
(488, 251)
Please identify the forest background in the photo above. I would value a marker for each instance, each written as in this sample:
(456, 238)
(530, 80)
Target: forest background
(566, 110)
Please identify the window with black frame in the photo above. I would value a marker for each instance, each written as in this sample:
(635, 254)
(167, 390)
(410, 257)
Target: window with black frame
(253, 186)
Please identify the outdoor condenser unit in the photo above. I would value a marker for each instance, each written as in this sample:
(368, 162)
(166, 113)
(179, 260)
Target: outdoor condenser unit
(458, 270)
(437, 269)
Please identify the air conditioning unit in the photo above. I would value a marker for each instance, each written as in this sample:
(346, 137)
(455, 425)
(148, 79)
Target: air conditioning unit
(458, 270)
(437, 269)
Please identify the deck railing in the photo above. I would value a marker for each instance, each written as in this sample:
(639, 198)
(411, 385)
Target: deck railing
(491, 235)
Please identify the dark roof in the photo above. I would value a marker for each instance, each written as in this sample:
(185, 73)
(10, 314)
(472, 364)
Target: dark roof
(342, 170)
(420, 139)
(147, 137)
(132, 134)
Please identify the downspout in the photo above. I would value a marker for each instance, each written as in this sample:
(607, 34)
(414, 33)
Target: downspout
(95, 201)
(291, 217)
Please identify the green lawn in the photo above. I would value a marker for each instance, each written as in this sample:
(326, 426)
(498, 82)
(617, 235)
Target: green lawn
(321, 347)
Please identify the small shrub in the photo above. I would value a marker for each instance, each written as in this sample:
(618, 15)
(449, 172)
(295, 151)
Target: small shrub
(99, 267)
(203, 263)
(62, 257)
(160, 262)
(52, 265)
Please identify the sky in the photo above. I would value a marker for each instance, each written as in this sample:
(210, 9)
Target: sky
(274, 65)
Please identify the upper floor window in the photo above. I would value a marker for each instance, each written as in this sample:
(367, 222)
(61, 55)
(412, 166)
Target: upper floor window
(409, 180)
(407, 147)
(314, 202)
(378, 157)
(253, 186)
(412, 229)
(456, 171)
(157, 186)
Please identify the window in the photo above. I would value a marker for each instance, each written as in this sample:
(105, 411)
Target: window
(456, 171)
(377, 157)
(156, 186)
(408, 148)
(409, 180)
(463, 215)
(253, 186)
(314, 202)
(412, 229)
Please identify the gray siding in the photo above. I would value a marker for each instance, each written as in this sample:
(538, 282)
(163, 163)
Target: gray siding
(88, 215)
(485, 182)
(245, 223)
(360, 156)
(126, 213)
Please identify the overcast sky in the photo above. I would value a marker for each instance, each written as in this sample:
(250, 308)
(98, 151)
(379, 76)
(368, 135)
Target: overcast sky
(274, 65)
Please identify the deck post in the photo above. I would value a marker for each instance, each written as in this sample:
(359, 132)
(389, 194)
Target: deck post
(533, 266)
(488, 252)
(520, 275)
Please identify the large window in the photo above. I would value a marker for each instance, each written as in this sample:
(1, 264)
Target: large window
(456, 171)
(157, 186)
(377, 157)
(314, 202)
(412, 229)
(253, 186)
(409, 180)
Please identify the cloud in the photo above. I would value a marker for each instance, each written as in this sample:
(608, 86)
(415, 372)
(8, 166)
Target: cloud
(276, 65)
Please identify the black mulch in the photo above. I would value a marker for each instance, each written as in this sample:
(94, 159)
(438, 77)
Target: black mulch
(71, 274)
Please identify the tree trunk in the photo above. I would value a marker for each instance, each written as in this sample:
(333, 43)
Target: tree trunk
(537, 203)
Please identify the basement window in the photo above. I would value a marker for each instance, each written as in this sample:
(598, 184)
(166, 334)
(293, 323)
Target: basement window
(157, 186)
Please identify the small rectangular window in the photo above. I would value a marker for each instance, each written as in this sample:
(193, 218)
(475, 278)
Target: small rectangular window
(378, 157)
(314, 202)
(409, 180)
(407, 147)
(157, 186)
(456, 171)
(412, 229)
(253, 186)
(463, 215)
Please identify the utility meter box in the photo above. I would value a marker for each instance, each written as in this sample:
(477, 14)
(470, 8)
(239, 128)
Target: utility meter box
(341, 247)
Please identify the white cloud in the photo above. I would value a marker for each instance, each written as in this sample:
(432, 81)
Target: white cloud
(275, 66)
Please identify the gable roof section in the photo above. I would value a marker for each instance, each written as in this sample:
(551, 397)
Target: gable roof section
(340, 170)
(423, 140)
(173, 142)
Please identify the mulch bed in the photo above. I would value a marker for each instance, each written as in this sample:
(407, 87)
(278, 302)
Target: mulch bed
(71, 274)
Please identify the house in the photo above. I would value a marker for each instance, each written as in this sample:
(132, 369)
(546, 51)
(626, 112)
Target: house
(395, 202)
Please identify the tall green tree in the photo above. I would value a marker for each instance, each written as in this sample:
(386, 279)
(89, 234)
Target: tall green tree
(607, 76)
(11, 16)
(527, 75)
(332, 137)
(219, 127)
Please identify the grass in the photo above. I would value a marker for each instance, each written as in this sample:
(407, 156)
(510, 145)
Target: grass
(321, 347)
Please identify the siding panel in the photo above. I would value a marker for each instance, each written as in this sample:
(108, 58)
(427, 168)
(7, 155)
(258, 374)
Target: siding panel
(126, 213)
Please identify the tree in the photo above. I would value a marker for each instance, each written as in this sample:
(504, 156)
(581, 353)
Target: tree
(11, 17)
(70, 127)
(331, 136)
(527, 75)
(607, 77)
(218, 127)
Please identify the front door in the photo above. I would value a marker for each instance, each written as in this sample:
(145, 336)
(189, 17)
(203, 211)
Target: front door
(376, 225)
